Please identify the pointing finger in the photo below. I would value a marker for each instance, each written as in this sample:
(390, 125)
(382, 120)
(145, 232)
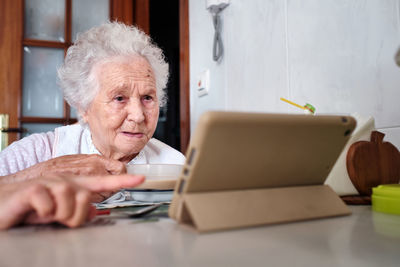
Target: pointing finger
(100, 184)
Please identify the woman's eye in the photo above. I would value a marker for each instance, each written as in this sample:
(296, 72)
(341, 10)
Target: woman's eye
(147, 98)
(119, 98)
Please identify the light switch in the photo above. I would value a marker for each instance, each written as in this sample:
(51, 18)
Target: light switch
(203, 83)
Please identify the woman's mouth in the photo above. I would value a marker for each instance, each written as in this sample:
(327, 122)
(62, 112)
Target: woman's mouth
(133, 134)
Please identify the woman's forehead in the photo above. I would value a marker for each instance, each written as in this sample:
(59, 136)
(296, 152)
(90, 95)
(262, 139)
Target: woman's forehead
(136, 65)
(124, 71)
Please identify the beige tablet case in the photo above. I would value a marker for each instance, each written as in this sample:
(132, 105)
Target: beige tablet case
(247, 169)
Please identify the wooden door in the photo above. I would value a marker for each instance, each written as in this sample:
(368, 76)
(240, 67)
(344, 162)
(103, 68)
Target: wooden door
(10, 60)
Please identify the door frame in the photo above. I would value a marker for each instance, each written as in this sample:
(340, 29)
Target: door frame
(11, 34)
(184, 75)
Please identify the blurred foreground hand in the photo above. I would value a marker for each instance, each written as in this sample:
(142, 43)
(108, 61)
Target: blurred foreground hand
(56, 199)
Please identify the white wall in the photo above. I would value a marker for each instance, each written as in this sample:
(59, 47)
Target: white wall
(335, 54)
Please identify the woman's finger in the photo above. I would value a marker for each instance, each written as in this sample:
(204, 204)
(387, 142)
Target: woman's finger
(42, 205)
(63, 194)
(25, 201)
(114, 166)
(100, 184)
(82, 208)
(41, 200)
(99, 197)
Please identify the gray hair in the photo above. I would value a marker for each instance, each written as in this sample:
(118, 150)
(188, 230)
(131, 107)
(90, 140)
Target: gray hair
(111, 39)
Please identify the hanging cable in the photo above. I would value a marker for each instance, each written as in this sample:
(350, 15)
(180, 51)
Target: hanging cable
(218, 48)
(215, 9)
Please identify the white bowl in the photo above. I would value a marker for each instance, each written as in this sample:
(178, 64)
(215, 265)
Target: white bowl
(158, 176)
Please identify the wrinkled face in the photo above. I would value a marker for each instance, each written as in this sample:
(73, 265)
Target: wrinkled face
(123, 116)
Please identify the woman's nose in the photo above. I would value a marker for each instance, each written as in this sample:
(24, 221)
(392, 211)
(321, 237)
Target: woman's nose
(135, 111)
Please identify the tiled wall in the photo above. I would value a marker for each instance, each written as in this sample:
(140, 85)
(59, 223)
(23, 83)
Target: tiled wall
(335, 54)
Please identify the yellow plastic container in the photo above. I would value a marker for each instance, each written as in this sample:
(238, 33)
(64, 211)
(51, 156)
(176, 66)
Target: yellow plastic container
(386, 198)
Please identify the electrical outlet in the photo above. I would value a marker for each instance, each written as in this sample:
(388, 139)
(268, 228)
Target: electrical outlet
(203, 83)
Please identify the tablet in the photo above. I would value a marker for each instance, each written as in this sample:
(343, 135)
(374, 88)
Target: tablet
(232, 151)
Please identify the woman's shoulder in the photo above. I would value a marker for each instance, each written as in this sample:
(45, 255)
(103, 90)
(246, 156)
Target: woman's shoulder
(158, 152)
(42, 143)
(26, 152)
(34, 141)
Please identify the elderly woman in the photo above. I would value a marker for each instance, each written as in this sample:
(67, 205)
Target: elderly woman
(115, 77)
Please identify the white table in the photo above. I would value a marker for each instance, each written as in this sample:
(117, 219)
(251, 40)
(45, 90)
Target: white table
(363, 239)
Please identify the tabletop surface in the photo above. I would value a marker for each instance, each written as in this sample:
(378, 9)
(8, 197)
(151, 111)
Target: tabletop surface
(364, 238)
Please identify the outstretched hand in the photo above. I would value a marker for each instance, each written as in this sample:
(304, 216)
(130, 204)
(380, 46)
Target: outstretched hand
(56, 199)
(71, 165)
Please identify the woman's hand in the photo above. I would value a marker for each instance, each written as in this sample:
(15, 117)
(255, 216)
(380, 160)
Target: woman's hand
(56, 199)
(70, 165)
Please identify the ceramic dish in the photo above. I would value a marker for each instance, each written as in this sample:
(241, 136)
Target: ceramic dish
(158, 176)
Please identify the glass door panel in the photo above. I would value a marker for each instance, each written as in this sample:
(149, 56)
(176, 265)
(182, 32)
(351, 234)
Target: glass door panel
(39, 128)
(74, 113)
(45, 19)
(41, 97)
(87, 14)
(48, 26)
